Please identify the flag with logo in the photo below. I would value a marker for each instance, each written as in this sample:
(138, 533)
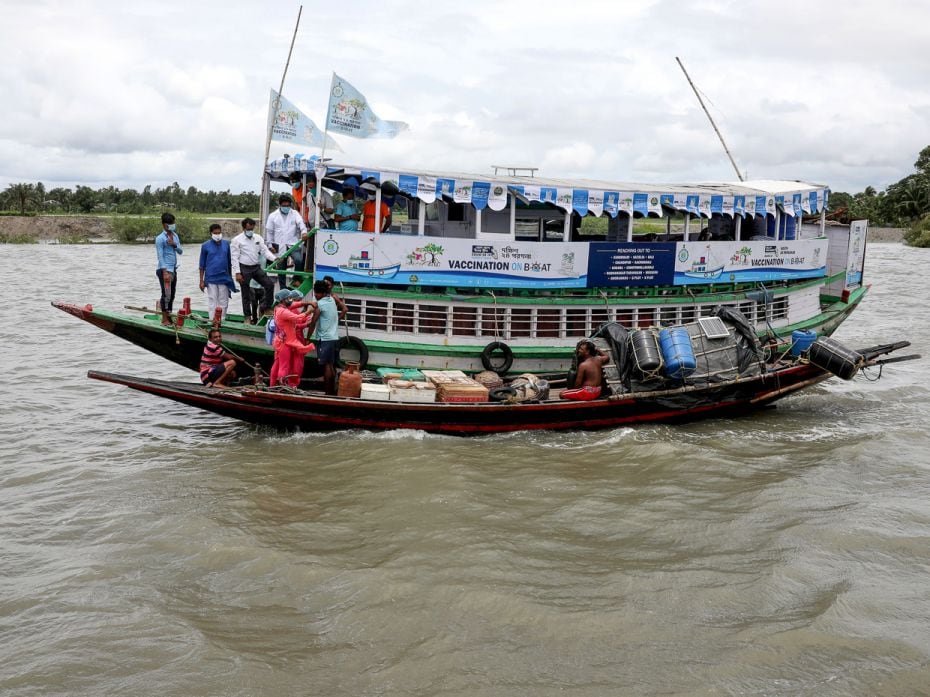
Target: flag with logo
(350, 113)
(289, 124)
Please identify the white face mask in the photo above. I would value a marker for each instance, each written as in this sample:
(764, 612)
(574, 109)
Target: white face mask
(249, 233)
(217, 236)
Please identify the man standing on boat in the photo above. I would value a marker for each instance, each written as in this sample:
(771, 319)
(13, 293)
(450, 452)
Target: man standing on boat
(167, 247)
(283, 229)
(324, 200)
(368, 216)
(216, 272)
(324, 330)
(347, 215)
(590, 372)
(248, 251)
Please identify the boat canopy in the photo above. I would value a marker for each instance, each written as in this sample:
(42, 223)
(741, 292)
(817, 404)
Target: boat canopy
(583, 196)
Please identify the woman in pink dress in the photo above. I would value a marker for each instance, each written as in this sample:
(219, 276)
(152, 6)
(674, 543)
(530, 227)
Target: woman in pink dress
(289, 347)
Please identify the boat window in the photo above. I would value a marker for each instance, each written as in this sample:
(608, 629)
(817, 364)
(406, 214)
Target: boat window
(599, 316)
(554, 230)
(456, 212)
(433, 319)
(464, 321)
(521, 322)
(376, 313)
(548, 322)
(353, 312)
(493, 321)
(432, 211)
(402, 317)
(527, 229)
(576, 321)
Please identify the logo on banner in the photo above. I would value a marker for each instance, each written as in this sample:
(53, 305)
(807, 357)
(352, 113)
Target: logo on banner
(683, 254)
(483, 251)
(498, 190)
(427, 255)
(330, 246)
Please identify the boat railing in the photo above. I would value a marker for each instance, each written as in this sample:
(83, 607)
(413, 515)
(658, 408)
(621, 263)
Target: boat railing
(279, 267)
(504, 322)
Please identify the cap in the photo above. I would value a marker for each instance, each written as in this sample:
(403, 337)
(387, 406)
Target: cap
(282, 295)
(296, 295)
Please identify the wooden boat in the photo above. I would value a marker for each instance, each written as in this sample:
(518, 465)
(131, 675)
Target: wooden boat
(311, 411)
(492, 272)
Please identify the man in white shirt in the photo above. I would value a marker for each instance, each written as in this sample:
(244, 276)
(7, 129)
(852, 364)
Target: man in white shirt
(248, 252)
(283, 229)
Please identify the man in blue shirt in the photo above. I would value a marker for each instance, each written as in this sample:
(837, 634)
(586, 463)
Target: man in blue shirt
(324, 331)
(216, 272)
(347, 215)
(167, 247)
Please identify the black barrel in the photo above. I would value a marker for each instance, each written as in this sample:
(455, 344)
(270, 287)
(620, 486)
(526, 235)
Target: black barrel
(831, 355)
(646, 354)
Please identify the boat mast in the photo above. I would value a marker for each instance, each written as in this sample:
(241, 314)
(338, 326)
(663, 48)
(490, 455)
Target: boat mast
(716, 130)
(274, 112)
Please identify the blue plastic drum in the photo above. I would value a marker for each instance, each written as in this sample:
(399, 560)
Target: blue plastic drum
(678, 352)
(801, 340)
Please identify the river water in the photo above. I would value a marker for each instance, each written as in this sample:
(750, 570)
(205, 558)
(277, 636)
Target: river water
(153, 549)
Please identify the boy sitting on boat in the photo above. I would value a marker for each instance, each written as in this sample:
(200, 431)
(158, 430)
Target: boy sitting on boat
(590, 374)
(217, 366)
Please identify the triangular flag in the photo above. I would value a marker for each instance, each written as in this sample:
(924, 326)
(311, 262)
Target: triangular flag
(349, 113)
(291, 125)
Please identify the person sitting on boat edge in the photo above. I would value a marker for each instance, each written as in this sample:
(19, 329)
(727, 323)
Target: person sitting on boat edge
(283, 230)
(216, 272)
(248, 251)
(217, 366)
(346, 212)
(590, 374)
(324, 329)
(167, 247)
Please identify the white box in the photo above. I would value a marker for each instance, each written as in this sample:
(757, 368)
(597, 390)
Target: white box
(378, 393)
(407, 391)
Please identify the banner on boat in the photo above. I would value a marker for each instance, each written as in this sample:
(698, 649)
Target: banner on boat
(354, 257)
(855, 257)
(742, 261)
(631, 264)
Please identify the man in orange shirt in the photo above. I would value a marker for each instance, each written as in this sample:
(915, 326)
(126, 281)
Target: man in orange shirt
(368, 216)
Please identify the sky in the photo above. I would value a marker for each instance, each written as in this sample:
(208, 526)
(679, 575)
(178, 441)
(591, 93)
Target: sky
(134, 93)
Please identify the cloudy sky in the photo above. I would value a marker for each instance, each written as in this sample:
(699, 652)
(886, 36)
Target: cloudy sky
(143, 92)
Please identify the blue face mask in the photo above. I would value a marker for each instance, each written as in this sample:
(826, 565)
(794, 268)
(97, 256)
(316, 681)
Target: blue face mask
(172, 228)
(284, 209)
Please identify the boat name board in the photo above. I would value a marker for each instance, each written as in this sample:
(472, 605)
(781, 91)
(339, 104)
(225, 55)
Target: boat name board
(443, 261)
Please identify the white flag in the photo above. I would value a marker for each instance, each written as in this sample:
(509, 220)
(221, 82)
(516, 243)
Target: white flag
(289, 124)
(349, 113)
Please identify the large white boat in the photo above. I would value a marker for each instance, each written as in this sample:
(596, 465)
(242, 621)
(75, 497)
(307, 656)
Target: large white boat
(489, 268)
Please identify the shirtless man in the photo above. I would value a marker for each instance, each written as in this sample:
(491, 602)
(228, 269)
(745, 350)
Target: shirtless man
(590, 372)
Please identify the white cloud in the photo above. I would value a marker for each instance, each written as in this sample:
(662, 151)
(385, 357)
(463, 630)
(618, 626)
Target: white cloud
(155, 92)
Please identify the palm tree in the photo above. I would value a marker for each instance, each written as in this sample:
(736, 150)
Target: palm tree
(22, 194)
(915, 200)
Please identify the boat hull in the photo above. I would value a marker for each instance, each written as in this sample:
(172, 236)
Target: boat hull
(312, 412)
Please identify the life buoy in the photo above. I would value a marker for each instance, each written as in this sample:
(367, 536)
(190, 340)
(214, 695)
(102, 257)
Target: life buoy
(355, 344)
(490, 361)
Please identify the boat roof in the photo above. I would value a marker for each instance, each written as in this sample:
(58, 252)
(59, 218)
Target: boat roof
(704, 198)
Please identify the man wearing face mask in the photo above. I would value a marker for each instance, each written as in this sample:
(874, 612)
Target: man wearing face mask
(248, 251)
(283, 229)
(216, 272)
(167, 247)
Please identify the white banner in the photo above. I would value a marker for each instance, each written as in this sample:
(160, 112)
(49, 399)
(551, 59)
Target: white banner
(737, 262)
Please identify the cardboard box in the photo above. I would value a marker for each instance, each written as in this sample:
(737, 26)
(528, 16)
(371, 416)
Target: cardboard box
(378, 393)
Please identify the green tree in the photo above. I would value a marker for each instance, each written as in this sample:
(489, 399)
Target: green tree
(22, 195)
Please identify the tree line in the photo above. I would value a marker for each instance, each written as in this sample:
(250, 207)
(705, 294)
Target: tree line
(27, 198)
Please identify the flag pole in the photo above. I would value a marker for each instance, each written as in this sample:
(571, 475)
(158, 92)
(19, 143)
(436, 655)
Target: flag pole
(326, 125)
(275, 107)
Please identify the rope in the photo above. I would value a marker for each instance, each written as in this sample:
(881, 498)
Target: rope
(497, 334)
